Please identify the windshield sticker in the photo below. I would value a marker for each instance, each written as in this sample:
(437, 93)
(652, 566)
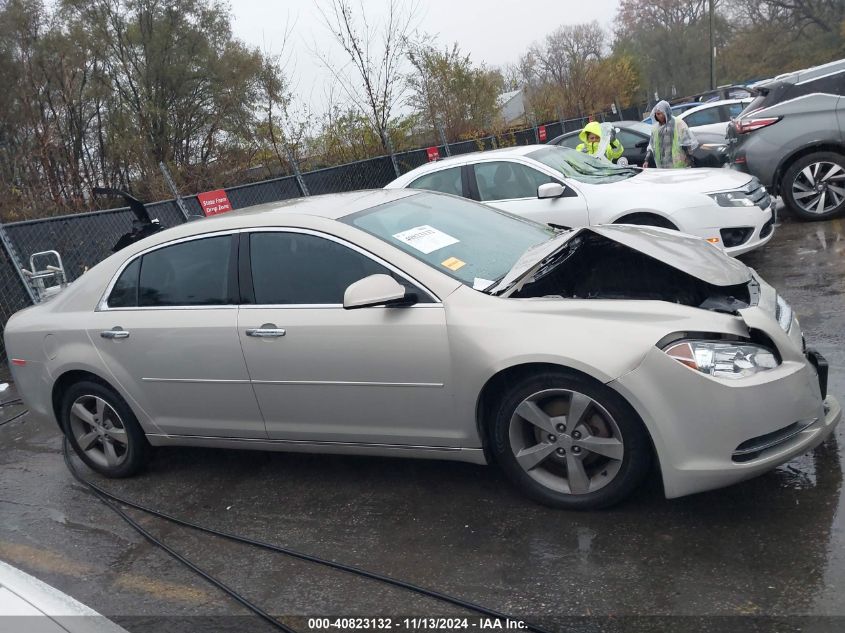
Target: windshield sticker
(426, 239)
(479, 283)
(453, 263)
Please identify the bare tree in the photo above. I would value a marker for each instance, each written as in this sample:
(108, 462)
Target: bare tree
(372, 78)
(567, 57)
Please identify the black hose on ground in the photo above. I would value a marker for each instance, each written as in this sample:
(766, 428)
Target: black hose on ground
(109, 499)
(15, 417)
(430, 593)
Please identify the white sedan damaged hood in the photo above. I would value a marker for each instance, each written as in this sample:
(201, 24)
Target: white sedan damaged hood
(702, 180)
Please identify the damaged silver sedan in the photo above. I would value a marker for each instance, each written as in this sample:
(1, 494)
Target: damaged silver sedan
(417, 324)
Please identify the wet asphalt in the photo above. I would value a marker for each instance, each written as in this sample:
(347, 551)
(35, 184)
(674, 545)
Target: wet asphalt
(764, 555)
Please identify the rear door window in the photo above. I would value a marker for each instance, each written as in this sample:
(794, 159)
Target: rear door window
(734, 109)
(570, 141)
(445, 181)
(124, 294)
(703, 117)
(629, 140)
(504, 180)
(194, 273)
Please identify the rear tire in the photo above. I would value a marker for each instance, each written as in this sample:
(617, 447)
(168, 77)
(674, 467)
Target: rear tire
(813, 188)
(568, 441)
(103, 431)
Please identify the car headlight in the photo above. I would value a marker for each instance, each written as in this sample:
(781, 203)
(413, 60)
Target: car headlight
(723, 359)
(783, 313)
(732, 199)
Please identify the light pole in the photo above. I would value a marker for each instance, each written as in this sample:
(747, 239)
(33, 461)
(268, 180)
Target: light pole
(712, 50)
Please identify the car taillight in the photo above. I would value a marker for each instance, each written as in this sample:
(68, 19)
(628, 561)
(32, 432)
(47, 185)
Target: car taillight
(744, 126)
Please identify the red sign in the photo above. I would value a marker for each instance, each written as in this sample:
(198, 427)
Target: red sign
(433, 154)
(214, 202)
(542, 133)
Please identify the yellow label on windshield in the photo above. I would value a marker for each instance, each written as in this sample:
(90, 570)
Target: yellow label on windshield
(453, 263)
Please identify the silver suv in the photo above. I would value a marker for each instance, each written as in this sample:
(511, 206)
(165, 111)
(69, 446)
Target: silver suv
(791, 137)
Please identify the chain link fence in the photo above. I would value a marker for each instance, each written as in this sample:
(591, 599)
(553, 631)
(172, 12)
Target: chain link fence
(85, 239)
(13, 297)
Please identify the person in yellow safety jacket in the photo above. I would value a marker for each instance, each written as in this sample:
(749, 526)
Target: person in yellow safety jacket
(671, 143)
(591, 137)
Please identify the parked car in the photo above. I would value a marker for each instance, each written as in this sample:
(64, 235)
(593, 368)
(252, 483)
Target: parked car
(714, 116)
(724, 92)
(634, 135)
(676, 109)
(563, 187)
(417, 324)
(791, 137)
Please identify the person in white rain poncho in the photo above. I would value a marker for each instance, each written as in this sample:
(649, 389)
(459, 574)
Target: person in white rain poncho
(672, 142)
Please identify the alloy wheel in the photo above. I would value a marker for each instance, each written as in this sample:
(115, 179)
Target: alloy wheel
(98, 431)
(819, 187)
(566, 441)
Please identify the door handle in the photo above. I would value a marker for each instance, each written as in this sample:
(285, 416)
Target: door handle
(117, 332)
(264, 332)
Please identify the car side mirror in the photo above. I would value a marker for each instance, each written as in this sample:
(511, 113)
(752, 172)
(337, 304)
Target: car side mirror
(376, 290)
(550, 190)
(641, 145)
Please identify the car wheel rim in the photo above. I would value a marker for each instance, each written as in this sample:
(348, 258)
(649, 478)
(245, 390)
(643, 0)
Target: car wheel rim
(819, 187)
(98, 431)
(566, 441)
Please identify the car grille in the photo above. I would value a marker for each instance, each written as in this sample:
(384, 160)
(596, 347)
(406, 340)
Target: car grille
(758, 194)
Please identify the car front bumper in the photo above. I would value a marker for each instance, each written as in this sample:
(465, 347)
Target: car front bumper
(702, 426)
(761, 234)
(709, 221)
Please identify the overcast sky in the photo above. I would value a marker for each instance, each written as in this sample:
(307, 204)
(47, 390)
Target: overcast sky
(496, 33)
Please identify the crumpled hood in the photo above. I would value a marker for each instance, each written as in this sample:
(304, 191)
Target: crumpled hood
(690, 254)
(687, 253)
(700, 180)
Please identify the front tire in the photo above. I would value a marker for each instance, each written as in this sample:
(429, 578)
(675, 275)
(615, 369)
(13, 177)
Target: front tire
(103, 431)
(813, 187)
(570, 442)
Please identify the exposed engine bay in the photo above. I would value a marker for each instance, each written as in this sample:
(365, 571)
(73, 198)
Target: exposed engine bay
(591, 266)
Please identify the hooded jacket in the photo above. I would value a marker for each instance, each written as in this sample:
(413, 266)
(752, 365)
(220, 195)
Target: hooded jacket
(614, 149)
(671, 143)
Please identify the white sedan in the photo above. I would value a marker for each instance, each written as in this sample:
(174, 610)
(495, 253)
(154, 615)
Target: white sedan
(563, 187)
(714, 116)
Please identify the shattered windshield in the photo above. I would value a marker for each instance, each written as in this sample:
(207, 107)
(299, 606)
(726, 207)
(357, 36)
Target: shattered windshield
(582, 167)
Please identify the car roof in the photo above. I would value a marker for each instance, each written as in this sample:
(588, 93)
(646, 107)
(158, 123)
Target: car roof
(293, 211)
(461, 159)
(332, 206)
(806, 74)
(712, 104)
(624, 125)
